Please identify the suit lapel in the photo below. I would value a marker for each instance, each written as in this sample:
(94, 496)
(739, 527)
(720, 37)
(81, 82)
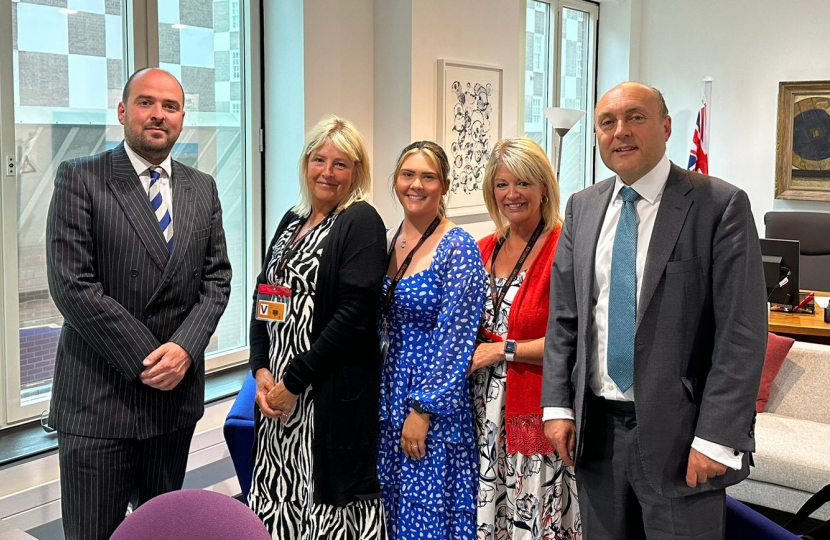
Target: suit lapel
(183, 208)
(586, 244)
(128, 191)
(674, 207)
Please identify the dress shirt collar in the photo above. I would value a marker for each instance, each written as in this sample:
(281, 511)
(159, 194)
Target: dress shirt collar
(141, 165)
(649, 186)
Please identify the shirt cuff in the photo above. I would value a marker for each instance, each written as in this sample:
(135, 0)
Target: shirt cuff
(722, 454)
(557, 413)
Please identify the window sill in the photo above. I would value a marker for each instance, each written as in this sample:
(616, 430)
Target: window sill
(29, 440)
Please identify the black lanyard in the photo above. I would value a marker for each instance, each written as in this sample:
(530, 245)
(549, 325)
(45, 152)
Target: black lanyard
(499, 298)
(390, 293)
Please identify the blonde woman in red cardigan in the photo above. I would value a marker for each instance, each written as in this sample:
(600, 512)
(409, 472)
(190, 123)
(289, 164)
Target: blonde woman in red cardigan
(525, 490)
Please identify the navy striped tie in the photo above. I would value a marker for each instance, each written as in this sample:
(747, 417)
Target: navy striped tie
(622, 300)
(160, 207)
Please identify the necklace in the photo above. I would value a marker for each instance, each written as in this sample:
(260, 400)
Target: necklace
(403, 243)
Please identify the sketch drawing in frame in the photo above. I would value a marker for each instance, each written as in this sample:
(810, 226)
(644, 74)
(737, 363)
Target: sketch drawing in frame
(803, 145)
(469, 125)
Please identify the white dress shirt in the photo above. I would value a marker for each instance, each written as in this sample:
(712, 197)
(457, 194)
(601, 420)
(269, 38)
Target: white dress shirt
(650, 188)
(142, 169)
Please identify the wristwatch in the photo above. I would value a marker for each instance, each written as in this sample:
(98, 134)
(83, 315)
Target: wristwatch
(509, 350)
(418, 408)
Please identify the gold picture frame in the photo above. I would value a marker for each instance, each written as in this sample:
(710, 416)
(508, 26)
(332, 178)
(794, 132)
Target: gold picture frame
(802, 149)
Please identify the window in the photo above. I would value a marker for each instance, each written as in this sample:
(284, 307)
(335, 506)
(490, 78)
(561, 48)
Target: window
(536, 110)
(60, 85)
(234, 65)
(538, 52)
(566, 81)
(234, 14)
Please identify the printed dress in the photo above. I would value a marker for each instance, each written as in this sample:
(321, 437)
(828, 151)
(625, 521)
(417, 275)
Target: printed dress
(281, 491)
(519, 497)
(432, 322)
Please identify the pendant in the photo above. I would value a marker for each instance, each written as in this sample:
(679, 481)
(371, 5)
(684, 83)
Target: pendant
(403, 243)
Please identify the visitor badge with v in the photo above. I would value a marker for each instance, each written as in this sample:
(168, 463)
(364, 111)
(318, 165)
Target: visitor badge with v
(272, 302)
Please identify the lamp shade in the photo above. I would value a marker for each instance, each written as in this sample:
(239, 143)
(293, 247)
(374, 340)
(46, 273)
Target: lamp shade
(562, 119)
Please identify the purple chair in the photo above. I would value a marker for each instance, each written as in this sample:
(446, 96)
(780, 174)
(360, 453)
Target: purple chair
(744, 523)
(192, 513)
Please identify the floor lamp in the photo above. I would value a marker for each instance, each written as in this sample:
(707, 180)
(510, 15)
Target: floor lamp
(562, 120)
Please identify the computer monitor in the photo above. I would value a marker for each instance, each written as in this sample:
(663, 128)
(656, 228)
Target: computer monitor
(781, 259)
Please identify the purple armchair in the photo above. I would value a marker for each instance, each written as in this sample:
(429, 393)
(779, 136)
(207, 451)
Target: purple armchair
(192, 513)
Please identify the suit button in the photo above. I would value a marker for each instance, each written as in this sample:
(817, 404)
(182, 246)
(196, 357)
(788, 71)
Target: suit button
(195, 273)
(133, 273)
(751, 433)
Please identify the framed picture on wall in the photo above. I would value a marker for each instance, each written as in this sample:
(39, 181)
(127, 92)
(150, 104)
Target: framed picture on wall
(469, 124)
(802, 168)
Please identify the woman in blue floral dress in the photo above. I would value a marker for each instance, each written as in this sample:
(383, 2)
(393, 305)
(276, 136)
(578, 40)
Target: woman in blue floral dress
(431, 306)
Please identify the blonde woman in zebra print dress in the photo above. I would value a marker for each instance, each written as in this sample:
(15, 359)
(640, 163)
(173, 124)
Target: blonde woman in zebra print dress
(315, 352)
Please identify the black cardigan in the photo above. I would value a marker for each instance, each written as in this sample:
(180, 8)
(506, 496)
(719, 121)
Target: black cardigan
(343, 364)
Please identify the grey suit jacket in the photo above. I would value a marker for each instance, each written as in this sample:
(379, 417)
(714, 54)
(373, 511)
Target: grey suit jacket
(122, 295)
(701, 324)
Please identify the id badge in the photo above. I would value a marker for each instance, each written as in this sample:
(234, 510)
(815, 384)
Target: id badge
(384, 343)
(272, 302)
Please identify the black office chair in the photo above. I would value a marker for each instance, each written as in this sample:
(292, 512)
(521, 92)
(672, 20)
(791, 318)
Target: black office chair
(812, 230)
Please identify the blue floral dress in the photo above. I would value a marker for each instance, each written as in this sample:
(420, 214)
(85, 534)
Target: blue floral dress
(432, 320)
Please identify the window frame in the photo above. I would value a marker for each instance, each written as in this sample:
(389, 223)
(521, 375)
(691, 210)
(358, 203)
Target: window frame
(140, 37)
(554, 82)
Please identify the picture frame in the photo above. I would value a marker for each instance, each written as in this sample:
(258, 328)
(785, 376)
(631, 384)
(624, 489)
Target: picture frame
(469, 123)
(802, 149)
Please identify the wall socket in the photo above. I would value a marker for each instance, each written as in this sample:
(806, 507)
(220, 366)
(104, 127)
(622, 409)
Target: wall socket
(9, 165)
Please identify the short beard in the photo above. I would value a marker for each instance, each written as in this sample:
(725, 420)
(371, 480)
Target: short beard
(151, 153)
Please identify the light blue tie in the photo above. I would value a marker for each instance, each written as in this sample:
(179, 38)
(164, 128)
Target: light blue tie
(622, 301)
(160, 207)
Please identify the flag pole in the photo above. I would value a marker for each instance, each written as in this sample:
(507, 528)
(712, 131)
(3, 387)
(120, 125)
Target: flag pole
(707, 97)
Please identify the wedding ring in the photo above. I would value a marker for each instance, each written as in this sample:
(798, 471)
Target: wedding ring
(413, 445)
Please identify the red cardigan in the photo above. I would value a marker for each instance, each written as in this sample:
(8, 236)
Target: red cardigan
(528, 319)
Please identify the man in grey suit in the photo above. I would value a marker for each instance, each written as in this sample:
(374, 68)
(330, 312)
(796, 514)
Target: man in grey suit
(138, 267)
(656, 336)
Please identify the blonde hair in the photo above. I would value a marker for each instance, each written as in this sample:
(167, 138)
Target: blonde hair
(345, 137)
(526, 160)
(437, 158)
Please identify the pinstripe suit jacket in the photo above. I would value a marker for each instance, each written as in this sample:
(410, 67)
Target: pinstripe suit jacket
(122, 295)
(701, 325)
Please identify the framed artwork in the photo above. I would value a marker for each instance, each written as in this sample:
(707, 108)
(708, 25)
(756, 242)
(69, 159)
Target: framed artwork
(802, 169)
(469, 124)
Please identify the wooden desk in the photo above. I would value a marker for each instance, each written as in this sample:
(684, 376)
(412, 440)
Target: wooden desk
(801, 325)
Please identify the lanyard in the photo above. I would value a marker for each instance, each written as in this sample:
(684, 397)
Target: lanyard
(288, 252)
(499, 298)
(405, 264)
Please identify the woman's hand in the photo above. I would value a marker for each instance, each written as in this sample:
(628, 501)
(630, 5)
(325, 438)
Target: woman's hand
(486, 354)
(281, 400)
(264, 384)
(414, 435)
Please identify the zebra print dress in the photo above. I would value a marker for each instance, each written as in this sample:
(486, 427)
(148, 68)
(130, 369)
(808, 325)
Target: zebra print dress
(281, 491)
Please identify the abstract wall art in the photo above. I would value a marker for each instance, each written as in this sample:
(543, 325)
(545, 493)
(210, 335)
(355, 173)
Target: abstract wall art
(468, 125)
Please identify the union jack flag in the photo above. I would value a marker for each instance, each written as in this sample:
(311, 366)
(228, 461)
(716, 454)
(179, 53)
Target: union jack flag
(698, 160)
(699, 153)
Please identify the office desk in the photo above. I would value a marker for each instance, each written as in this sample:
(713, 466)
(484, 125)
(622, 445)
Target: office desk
(801, 326)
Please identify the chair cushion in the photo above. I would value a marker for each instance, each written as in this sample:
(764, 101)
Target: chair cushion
(791, 452)
(777, 349)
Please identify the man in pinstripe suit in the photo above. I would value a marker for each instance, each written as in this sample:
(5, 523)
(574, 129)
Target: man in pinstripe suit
(138, 267)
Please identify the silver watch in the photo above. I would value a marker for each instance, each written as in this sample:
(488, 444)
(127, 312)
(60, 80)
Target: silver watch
(509, 350)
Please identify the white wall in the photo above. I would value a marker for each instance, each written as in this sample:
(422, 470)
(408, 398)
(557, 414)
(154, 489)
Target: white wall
(477, 31)
(747, 46)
